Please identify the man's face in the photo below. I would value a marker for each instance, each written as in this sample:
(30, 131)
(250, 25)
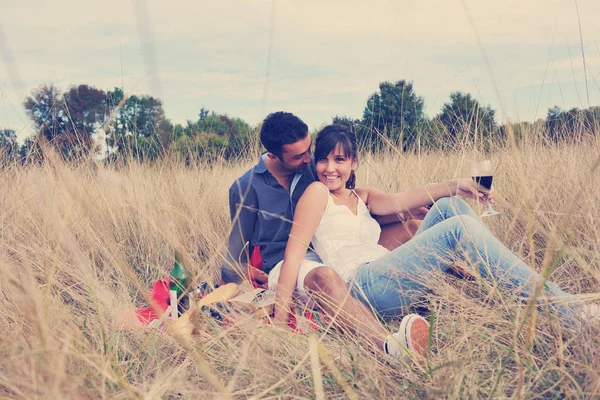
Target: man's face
(296, 156)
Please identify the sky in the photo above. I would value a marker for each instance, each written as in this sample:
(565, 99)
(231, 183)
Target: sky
(317, 59)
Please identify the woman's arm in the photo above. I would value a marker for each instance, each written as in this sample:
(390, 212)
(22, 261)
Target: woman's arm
(387, 219)
(307, 216)
(382, 203)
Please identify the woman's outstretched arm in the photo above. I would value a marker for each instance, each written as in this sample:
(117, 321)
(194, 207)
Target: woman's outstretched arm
(307, 216)
(387, 203)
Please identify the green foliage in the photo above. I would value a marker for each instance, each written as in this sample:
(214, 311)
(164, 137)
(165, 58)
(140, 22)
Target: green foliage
(9, 149)
(213, 135)
(353, 124)
(138, 127)
(86, 108)
(572, 125)
(463, 119)
(29, 150)
(46, 112)
(201, 146)
(67, 121)
(392, 116)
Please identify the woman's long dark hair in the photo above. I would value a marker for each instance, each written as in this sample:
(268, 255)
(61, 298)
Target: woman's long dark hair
(329, 138)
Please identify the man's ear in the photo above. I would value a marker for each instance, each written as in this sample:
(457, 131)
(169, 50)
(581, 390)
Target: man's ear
(272, 156)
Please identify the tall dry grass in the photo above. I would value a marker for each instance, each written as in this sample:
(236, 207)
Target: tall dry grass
(80, 245)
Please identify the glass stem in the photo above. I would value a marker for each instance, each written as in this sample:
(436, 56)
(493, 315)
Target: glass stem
(488, 206)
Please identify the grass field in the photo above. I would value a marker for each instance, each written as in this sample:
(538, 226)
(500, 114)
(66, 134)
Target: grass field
(81, 245)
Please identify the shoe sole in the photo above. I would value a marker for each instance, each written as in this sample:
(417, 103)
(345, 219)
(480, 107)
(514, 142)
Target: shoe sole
(416, 334)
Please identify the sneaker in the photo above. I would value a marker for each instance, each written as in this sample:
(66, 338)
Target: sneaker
(591, 314)
(411, 340)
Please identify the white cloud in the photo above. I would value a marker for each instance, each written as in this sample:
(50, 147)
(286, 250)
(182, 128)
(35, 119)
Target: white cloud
(327, 57)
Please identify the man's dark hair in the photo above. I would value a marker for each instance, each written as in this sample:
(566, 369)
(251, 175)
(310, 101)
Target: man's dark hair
(280, 128)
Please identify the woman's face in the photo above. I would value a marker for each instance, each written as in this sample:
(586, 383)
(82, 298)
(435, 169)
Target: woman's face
(334, 170)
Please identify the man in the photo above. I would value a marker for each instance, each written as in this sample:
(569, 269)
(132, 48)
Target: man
(262, 203)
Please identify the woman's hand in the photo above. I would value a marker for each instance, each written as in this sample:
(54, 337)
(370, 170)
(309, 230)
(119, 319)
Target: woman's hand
(466, 187)
(256, 275)
(282, 317)
(417, 213)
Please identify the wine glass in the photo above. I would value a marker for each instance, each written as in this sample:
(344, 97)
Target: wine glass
(482, 174)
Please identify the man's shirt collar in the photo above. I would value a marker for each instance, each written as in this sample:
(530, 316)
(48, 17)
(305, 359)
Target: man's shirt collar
(261, 167)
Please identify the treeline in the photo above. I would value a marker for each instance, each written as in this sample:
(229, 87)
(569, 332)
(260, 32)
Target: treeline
(394, 116)
(86, 121)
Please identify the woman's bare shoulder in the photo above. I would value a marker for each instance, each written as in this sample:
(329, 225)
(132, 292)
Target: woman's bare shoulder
(317, 190)
(363, 193)
(315, 197)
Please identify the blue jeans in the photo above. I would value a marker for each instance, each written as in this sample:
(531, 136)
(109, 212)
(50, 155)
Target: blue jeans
(451, 231)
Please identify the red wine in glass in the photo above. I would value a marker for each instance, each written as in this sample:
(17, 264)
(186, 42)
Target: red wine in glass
(485, 181)
(483, 175)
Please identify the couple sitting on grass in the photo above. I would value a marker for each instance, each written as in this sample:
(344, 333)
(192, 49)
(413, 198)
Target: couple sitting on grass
(338, 255)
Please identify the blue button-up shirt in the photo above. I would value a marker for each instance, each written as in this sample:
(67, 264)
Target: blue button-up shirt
(262, 212)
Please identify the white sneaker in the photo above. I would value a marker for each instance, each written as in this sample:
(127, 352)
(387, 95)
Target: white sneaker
(411, 340)
(591, 313)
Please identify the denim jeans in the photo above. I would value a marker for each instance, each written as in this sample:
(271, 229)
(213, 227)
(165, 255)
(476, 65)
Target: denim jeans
(451, 231)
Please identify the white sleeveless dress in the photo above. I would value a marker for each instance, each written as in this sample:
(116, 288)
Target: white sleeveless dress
(345, 241)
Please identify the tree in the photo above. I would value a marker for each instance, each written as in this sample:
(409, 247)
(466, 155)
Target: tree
(203, 114)
(396, 113)
(201, 146)
(86, 108)
(352, 124)
(521, 131)
(46, 112)
(9, 149)
(573, 124)
(67, 121)
(235, 132)
(214, 135)
(139, 128)
(463, 118)
(30, 151)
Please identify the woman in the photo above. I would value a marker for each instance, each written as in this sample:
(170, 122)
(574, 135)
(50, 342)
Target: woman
(336, 217)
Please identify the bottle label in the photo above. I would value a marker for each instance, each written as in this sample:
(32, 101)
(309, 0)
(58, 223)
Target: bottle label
(173, 311)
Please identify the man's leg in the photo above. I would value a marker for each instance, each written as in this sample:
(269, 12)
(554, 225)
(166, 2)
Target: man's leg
(332, 295)
(396, 234)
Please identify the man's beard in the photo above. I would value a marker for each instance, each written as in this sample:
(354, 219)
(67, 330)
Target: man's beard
(294, 170)
(301, 168)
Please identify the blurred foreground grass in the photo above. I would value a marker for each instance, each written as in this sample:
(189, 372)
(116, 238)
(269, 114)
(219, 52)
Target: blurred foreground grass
(80, 245)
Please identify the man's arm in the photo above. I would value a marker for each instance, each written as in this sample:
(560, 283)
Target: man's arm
(242, 209)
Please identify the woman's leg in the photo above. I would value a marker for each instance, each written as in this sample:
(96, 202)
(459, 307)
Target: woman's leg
(394, 282)
(444, 208)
